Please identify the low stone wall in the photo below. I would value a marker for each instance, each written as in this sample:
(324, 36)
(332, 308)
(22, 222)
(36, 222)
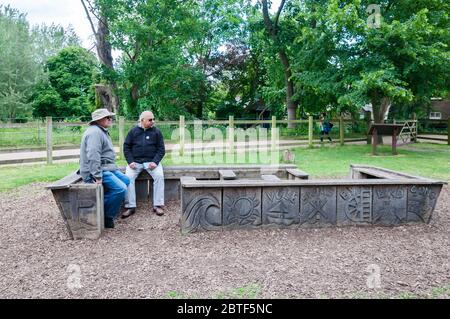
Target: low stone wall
(371, 196)
(253, 196)
(81, 205)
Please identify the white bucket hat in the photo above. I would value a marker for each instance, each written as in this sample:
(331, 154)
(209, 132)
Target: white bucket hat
(99, 114)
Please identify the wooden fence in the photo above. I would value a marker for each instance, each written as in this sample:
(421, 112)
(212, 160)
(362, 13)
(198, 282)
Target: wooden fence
(229, 125)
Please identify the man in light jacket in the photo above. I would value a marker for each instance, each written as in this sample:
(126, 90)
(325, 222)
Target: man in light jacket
(144, 149)
(97, 164)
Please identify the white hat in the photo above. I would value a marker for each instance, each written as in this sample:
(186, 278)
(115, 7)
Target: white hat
(99, 114)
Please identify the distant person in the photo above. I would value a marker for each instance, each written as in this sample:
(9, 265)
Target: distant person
(97, 164)
(325, 127)
(144, 149)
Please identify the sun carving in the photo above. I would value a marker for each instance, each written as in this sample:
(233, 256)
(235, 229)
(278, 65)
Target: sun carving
(243, 210)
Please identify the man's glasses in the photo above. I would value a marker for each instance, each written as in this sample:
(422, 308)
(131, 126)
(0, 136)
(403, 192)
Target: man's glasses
(109, 118)
(151, 120)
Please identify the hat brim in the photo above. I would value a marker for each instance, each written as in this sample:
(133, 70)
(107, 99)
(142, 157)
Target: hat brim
(95, 120)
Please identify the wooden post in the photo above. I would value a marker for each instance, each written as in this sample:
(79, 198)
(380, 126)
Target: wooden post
(310, 131)
(273, 134)
(341, 130)
(394, 142)
(231, 134)
(374, 141)
(38, 132)
(448, 131)
(121, 135)
(49, 141)
(414, 131)
(182, 128)
(369, 138)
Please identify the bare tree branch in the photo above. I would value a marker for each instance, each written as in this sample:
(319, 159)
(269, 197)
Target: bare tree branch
(89, 18)
(92, 10)
(267, 20)
(277, 17)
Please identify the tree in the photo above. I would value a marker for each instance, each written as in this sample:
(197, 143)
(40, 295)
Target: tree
(48, 40)
(217, 46)
(103, 45)
(405, 59)
(18, 70)
(277, 35)
(69, 87)
(151, 35)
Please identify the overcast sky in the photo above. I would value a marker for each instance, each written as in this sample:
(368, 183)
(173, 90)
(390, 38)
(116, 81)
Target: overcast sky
(64, 12)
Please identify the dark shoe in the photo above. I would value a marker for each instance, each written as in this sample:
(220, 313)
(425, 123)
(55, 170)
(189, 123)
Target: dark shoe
(109, 223)
(128, 212)
(158, 210)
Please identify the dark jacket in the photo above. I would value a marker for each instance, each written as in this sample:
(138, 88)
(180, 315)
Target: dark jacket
(144, 145)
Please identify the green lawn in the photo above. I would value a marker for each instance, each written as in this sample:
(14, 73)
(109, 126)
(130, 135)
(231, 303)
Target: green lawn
(426, 160)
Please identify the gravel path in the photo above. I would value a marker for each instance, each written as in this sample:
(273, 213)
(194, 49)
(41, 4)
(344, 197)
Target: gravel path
(147, 257)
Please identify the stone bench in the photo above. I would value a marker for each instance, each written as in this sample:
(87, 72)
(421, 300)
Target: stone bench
(81, 205)
(372, 196)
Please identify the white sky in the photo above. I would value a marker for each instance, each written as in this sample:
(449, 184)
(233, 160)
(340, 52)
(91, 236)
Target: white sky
(64, 12)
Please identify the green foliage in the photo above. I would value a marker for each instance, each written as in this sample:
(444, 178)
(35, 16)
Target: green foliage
(69, 90)
(24, 87)
(48, 40)
(18, 70)
(344, 63)
(215, 58)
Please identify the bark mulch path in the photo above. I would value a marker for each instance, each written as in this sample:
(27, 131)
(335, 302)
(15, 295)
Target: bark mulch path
(146, 256)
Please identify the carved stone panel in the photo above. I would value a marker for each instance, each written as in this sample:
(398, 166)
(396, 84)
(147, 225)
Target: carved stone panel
(354, 205)
(421, 202)
(201, 209)
(82, 211)
(389, 205)
(241, 207)
(318, 206)
(281, 206)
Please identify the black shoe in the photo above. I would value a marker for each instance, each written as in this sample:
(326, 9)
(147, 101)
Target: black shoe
(128, 212)
(158, 210)
(109, 223)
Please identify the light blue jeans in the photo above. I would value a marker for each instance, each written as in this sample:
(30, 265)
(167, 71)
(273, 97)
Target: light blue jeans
(115, 185)
(158, 184)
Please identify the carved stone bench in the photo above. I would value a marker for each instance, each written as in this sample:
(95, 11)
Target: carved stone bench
(81, 205)
(372, 196)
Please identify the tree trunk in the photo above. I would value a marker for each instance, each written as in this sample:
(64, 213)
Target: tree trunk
(272, 29)
(104, 50)
(380, 107)
(290, 103)
(133, 100)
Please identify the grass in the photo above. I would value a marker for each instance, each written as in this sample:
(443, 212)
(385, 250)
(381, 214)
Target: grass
(335, 161)
(250, 291)
(431, 161)
(15, 176)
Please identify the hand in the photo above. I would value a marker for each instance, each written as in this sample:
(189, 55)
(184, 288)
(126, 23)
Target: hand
(132, 165)
(152, 165)
(98, 181)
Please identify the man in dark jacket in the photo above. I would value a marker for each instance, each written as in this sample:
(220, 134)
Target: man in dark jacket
(144, 149)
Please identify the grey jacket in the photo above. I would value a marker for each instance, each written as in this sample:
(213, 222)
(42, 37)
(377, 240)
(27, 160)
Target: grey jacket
(96, 153)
